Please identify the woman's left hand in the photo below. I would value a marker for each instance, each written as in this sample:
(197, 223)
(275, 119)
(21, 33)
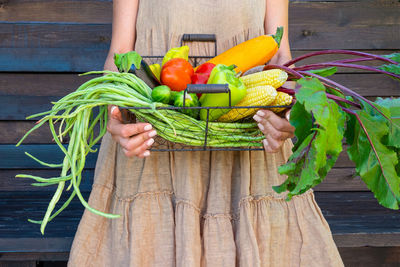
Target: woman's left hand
(275, 129)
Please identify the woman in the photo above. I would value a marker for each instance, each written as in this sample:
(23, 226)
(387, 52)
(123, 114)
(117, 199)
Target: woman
(197, 208)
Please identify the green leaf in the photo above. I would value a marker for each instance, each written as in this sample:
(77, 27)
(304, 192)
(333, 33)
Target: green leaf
(393, 107)
(125, 61)
(319, 145)
(394, 57)
(302, 121)
(392, 68)
(375, 161)
(325, 72)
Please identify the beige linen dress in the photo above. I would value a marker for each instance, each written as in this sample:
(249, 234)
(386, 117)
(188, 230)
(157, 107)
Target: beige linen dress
(199, 208)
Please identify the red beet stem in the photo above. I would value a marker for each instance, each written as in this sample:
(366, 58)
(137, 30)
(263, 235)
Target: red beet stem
(343, 65)
(345, 52)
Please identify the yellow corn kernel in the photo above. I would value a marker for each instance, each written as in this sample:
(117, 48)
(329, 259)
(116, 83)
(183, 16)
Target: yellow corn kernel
(256, 96)
(282, 99)
(275, 77)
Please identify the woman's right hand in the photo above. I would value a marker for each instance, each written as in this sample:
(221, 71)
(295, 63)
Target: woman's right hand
(134, 138)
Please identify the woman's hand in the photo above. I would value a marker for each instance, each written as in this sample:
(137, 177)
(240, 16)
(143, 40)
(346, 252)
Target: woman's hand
(135, 138)
(275, 129)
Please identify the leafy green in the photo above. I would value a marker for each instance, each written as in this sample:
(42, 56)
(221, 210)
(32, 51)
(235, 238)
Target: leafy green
(325, 72)
(392, 68)
(368, 135)
(393, 105)
(319, 124)
(394, 57)
(125, 61)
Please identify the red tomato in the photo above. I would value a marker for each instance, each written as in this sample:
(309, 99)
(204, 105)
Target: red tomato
(176, 73)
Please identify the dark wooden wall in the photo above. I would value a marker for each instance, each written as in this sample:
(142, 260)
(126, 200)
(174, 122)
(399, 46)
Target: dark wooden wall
(44, 44)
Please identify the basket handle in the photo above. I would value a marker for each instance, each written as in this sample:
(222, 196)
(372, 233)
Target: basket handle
(207, 89)
(199, 37)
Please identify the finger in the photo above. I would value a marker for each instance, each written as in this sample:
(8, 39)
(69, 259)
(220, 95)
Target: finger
(115, 127)
(266, 127)
(115, 113)
(271, 145)
(276, 121)
(140, 151)
(145, 154)
(287, 115)
(133, 143)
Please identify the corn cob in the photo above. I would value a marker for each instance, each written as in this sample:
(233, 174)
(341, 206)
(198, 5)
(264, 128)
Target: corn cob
(256, 96)
(282, 99)
(275, 77)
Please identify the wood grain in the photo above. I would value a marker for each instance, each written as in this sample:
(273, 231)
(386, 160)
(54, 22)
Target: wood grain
(14, 158)
(370, 256)
(8, 181)
(338, 179)
(46, 85)
(52, 59)
(54, 35)
(87, 11)
(362, 222)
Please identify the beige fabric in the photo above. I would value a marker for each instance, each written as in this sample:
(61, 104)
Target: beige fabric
(199, 208)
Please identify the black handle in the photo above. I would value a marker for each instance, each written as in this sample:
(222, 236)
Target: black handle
(207, 89)
(200, 37)
(192, 37)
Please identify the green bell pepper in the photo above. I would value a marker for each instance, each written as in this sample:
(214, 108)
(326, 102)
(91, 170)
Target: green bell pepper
(191, 100)
(222, 74)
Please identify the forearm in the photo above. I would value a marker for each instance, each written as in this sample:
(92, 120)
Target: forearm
(277, 14)
(123, 29)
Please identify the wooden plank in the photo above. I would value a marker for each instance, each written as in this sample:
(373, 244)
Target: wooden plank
(344, 14)
(338, 179)
(344, 161)
(85, 59)
(351, 256)
(58, 244)
(40, 256)
(8, 182)
(322, 36)
(367, 239)
(89, 11)
(55, 35)
(13, 157)
(33, 84)
(13, 131)
(52, 59)
(342, 179)
(20, 107)
(355, 219)
(17, 263)
(47, 85)
(370, 256)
